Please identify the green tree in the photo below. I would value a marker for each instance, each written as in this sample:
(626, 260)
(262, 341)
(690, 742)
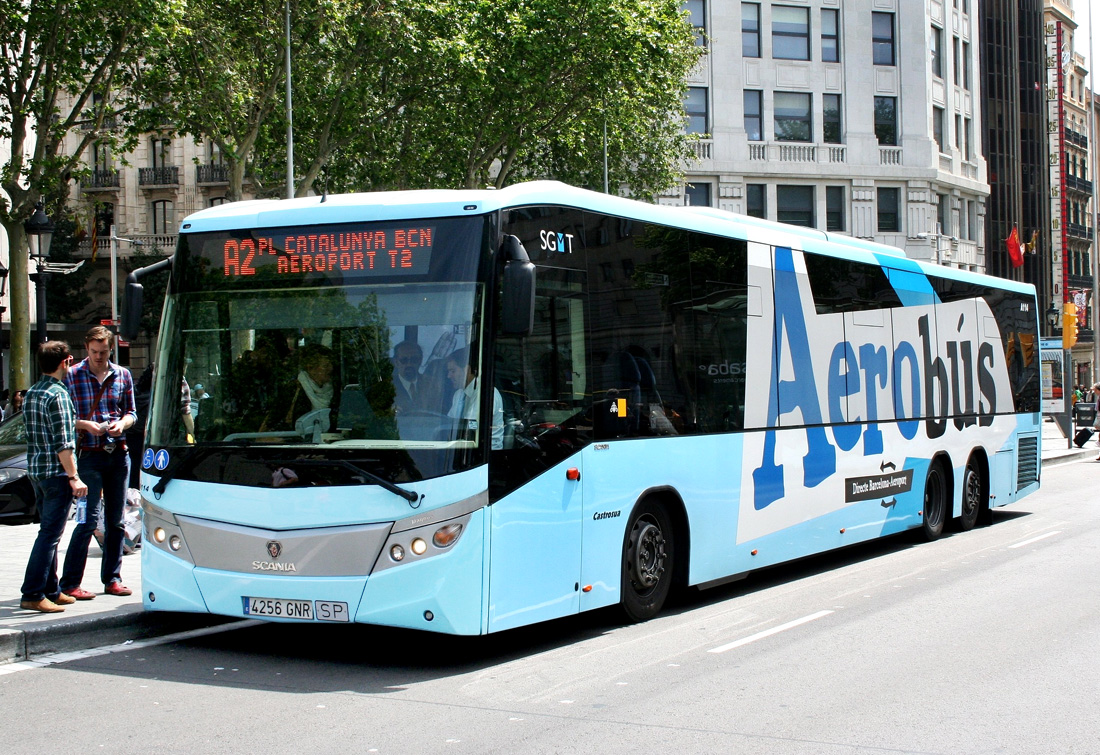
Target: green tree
(68, 66)
(445, 93)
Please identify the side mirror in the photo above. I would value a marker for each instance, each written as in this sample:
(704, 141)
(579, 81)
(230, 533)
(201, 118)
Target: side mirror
(131, 310)
(132, 300)
(518, 302)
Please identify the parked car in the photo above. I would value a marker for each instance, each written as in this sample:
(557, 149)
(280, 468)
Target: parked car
(16, 494)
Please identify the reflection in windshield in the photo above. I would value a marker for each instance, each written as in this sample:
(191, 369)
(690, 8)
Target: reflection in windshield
(353, 367)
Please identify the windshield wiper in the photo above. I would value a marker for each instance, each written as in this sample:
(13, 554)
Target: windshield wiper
(413, 498)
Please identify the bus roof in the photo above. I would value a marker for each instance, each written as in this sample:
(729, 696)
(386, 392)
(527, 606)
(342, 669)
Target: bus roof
(409, 205)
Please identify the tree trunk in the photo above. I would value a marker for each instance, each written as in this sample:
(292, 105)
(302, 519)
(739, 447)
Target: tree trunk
(20, 372)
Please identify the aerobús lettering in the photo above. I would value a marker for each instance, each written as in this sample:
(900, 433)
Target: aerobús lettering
(918, 378)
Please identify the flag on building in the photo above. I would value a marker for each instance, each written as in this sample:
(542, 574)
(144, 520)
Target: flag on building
(1015, 249)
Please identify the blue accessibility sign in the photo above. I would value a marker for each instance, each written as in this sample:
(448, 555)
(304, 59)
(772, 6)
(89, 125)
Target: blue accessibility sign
(147, 459)
(161, 459)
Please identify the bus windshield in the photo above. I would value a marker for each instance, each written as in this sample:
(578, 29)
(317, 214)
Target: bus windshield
(378, 365)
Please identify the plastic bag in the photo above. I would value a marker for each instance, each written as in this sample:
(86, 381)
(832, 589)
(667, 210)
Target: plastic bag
(131, 523)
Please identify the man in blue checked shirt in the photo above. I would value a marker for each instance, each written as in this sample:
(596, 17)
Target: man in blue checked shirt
(51, 438)
(103, 394)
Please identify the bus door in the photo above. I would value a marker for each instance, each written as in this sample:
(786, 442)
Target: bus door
(535, 541)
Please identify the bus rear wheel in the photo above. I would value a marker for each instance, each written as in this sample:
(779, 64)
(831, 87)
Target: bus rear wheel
(935, 502)
(972, 502)
(647, 561)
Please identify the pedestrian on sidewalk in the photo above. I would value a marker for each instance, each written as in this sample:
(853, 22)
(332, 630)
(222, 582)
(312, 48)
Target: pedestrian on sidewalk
(1096, 414)
(52, 470)
(103, 394)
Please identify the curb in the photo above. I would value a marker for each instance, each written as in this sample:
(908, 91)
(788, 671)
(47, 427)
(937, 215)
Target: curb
(127, 623)
(1083, 453)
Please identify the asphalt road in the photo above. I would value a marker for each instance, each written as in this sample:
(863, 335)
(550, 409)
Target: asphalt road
(984, 642)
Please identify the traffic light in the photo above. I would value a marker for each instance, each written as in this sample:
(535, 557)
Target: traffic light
(1069, 325)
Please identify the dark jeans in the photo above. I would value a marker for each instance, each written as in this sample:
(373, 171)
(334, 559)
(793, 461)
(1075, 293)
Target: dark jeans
(109, 474)
(53, 497)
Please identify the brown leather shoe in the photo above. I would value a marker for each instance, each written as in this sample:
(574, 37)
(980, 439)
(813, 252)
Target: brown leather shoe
(63, 600)
(43, 606)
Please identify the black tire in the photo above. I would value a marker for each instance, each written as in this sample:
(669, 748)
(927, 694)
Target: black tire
(648, 553)
(935, 502)
(972, 499)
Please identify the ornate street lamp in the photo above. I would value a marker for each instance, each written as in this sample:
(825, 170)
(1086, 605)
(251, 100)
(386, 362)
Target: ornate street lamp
(1053, 317)
(39, 232)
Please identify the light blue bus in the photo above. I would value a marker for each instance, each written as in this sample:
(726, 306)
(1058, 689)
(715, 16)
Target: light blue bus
(467, 411)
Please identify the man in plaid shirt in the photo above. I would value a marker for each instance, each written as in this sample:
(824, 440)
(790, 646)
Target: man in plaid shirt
(51, 438)
(102, 459)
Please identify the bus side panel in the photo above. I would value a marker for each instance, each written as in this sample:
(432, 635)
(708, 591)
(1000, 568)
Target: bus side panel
(534, 569)
(449, 586)
(703, 471)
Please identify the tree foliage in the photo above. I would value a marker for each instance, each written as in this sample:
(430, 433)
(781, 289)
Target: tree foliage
(66, 66)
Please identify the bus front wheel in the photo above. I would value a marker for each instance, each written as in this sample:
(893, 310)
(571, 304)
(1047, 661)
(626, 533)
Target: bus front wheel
(647, 561)
(935, 502)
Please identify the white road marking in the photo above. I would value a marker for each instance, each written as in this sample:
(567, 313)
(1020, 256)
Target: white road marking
(80, 655)
(1036, 539)
(770, 632)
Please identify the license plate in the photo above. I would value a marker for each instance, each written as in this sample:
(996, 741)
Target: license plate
(301, 610)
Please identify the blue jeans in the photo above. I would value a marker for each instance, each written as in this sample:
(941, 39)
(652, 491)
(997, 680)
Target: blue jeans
(109, 474)
(53, 497)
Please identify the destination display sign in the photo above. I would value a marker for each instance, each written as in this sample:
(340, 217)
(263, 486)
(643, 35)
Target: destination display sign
(878, 486)
(358, 252)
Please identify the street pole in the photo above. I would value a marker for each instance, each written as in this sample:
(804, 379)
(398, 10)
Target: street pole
(1094, 320)
(289, 116)
(114, 276)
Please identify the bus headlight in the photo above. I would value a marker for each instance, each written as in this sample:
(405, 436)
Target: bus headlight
(409, 546)
(160, 535)
(175, 543)
(397, 553)
(419, 546)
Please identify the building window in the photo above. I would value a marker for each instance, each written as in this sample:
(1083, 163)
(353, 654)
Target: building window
(790, 33)
(101, 157)
(959, 133)
(750, 30)
(160, 152)
(886, 120)
(163, 218)
(697, 17)
(937, 127)
(697, 195)
(214, 154)
(795, 205)
(754, 123)
(830, 36)
(956, 66)
(215, 201)
(882, 38)
(937, 52)
(830, 121)
(943, 215)
(793, 117)
(966, 66)
(968, 139)
(757, 200)
(695, 107)
(834, 208)
(889, 212)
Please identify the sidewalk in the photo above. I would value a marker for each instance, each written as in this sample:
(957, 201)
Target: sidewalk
(110, 620)
(84, 624)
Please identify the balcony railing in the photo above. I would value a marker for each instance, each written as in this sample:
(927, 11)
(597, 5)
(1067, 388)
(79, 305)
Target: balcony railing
(164, 176)
(889, 155)
(100, 179)
(1078, 231)
(1076, 138)
(1078, 184)
(703, 149)
(219, 174)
